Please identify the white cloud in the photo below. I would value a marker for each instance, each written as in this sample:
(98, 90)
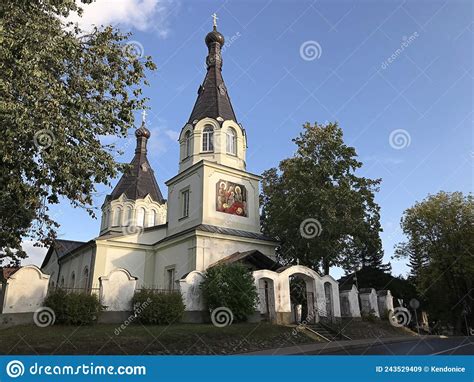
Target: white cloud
(139, 14)
(173, 135)
(35, 254)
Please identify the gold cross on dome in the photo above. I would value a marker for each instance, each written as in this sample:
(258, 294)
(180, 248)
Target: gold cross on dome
(214, 19)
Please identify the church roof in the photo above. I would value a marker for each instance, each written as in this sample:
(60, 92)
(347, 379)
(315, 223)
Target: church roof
(139, 181)
(254, 258)
(213, 100)
(62, 248)
(220, 230)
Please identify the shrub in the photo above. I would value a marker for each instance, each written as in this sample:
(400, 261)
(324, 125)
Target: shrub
(157, 308)
(231, 286)
(370, 317)
(73, 308)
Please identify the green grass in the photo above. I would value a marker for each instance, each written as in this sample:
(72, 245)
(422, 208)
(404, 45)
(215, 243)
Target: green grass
(139, 339)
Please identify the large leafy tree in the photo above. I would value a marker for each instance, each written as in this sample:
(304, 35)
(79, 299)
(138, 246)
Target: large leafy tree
(61, 89)
(321, 211)
(440, 249)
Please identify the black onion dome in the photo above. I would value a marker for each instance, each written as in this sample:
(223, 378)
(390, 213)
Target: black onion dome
(214, 36)
(142, 132)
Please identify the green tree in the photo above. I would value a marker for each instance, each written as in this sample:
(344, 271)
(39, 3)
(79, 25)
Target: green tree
(61, 89)
(321, 211)
(231, 286)
(440, 248)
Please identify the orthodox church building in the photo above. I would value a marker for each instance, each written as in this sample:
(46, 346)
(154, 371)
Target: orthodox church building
(210, 216)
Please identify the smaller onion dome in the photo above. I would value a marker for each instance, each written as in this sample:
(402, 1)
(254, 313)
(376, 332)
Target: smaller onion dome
(214, 36)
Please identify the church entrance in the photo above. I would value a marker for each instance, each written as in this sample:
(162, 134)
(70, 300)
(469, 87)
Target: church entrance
(302, 299)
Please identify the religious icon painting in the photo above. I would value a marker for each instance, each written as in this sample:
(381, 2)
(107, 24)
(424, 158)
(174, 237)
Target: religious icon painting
(231, 198)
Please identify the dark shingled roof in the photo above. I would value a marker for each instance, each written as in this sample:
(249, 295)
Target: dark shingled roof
(213, 100)
(253, 257)
(140, 180)
(62, 248)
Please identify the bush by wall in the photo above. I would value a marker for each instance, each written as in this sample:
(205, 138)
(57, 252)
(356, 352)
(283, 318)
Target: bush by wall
(158, 308)
(73, 308)
(231, 286)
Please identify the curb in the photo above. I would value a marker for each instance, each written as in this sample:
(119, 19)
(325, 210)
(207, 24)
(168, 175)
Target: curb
(334, 346)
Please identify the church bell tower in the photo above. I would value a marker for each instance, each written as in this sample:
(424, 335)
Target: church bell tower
(213, 187)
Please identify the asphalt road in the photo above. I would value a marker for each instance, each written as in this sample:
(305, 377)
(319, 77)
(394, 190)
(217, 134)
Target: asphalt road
(425, 346)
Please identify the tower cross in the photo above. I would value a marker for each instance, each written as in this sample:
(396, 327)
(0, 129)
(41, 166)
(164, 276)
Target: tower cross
(143, 116)
(214, 19)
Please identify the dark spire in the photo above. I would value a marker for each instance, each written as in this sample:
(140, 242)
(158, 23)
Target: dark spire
(213, 100)
(139, 181)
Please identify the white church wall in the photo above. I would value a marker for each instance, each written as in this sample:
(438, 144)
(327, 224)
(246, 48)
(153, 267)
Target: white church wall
(117, 290)
(75, 265)
(214, 174)
(191, 181)
(177, 255)
(25, 290)
(111, 256)
(148, 236)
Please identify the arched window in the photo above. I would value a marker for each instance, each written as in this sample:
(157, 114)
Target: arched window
(73, 280)
(153, 218)
(117, 217)
(85, 278)
(61, 283)
(141, 217)
(208, 139)
(187, 143)
(231, 142)
(129, 216)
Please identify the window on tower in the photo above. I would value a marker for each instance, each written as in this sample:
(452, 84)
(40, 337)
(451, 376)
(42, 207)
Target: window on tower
(187, 142)
(231, 146)
(185, 203)
(208, 139)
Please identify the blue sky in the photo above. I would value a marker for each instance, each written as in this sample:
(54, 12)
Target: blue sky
(396, 75)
